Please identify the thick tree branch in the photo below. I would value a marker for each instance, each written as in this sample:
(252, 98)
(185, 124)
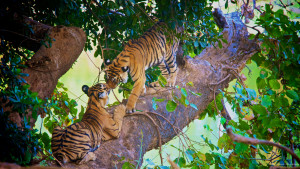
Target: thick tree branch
(253, 141)
(49, 63)
(203, 70)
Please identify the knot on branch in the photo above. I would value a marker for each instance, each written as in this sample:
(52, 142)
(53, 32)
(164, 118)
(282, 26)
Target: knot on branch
(220, 18)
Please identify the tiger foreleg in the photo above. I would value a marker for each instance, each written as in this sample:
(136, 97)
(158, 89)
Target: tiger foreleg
(172, 79)
(113, 125)
(173, 69)
(135, 94)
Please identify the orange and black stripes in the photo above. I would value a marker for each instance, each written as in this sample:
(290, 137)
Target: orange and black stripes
(79, 140)
(151, 49)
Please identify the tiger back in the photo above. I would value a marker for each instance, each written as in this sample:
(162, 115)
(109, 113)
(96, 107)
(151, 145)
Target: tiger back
(153, 48)
(77, 142)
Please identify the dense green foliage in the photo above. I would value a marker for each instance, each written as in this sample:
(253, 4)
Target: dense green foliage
(274, 104)
(108, 25)
(270, 111)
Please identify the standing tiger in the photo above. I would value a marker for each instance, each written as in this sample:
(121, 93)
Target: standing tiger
(151, 49)
(78, 141)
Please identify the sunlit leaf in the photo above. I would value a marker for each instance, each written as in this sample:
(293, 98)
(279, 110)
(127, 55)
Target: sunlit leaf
(171, 106)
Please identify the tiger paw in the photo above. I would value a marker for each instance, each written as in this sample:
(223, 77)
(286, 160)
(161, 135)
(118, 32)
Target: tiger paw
(90, 156)
(129, 111)
(170, 84)
(154, 84)
(120, 110)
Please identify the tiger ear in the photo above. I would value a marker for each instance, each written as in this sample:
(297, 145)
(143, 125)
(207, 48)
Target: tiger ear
(125, 68)
(85, 89)
(107, 62)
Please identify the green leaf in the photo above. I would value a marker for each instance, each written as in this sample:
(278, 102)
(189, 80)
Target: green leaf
(292, 94)
(162, 79)
(46, 140)
(128, 165)
(261, 83)
(252, 93)
(81, 113)
(274, 84)
(171, 106)
(259, 109)
(27, 156)
(225, 142)
(193, 106)
(180, 161)
(223, 120)
(189, 154)
(183, 91)
(266, 101)
(263, 74)
(196, 44)
(195, 94)
(190, 84)
(243, 125)
(241, 148)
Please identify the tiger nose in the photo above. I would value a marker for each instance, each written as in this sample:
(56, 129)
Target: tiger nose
(111, 84)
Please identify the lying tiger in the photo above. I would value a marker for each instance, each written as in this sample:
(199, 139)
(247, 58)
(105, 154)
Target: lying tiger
(77, 142)
(151, 49)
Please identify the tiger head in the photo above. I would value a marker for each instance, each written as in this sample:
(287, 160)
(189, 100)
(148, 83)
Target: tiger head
(99, 91)
(116, 72)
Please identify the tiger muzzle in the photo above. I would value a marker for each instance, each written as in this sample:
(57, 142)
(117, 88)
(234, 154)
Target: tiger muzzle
(112, 83)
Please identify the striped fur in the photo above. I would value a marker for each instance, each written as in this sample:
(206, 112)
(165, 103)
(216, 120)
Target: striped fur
(151, 49)
(77, 142)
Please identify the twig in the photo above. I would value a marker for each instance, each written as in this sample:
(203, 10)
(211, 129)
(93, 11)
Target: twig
(238, 77)
(215, 100)
(225, 114)
(246, 140)
(157, 129)
(89, 8)
(111, 49)
(174, 127)
(282, 4)
(116, 96)
(109, 10)
(173, 165)
(92, 61)
(221, 80)
(99, 44)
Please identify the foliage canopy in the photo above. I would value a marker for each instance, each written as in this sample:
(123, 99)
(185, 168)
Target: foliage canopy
(110, 24)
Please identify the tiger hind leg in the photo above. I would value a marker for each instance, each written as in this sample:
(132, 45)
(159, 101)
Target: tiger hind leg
(88, 157)
(172, 65)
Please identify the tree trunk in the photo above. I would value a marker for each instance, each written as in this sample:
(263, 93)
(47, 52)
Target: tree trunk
(50, 62)
(209, 71)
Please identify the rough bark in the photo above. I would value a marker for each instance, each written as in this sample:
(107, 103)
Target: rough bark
(208, 71)
(49, 63)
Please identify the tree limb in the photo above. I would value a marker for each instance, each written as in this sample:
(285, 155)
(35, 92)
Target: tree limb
(246, 140)
(202, 70)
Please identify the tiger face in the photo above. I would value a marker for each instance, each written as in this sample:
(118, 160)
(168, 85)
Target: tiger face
(99, 91)
(116, 72)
